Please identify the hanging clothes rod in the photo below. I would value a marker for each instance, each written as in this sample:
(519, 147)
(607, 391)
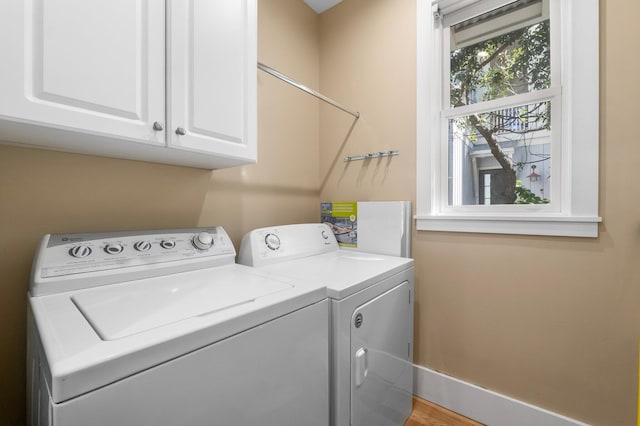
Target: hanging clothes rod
(304, 88)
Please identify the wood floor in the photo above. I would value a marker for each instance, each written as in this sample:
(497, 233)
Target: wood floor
(427, 414)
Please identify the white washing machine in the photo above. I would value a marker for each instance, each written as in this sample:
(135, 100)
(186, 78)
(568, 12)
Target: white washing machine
(163, 328)
(371, 321)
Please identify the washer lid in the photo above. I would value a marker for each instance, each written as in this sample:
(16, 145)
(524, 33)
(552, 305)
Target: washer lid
(96, 336)
(115, 312)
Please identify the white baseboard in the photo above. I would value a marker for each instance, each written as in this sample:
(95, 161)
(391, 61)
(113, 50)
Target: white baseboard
(480, 404)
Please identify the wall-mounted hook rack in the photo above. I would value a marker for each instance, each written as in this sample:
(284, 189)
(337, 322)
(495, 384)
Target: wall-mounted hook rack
(371, 155)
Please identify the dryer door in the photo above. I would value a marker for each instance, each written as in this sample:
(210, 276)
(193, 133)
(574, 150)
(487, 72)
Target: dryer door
(381, 367)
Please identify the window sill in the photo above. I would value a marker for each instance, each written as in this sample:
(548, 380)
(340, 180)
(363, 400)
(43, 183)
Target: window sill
(565, 226)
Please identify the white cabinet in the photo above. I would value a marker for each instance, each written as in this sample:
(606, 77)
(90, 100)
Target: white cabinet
(89, 66)
(206, 37)
(89, 76)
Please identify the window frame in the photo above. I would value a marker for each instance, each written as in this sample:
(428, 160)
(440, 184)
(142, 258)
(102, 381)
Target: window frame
(574, 208)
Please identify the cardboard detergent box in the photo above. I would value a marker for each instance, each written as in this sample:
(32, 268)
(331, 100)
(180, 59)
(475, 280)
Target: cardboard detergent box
(382, 227)
(342, 217)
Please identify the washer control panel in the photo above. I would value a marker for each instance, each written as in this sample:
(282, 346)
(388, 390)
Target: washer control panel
(70, 254)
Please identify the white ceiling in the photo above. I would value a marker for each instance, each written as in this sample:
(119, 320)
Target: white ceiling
(321, 5)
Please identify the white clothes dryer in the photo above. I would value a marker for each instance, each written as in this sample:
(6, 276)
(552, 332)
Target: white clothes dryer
(163, 328)
(371, 317)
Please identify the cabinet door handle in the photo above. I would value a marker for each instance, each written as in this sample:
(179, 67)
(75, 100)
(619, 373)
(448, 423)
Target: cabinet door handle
(158, 126)
(181, 131)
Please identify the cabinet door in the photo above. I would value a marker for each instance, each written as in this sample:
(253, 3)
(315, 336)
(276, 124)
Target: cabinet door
(212, 77)
(93, 66)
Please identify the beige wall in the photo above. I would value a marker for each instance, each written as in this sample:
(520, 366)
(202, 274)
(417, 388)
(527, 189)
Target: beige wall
(48, 192)
(551, 321)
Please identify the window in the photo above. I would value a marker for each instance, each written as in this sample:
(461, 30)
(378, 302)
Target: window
(507, 122)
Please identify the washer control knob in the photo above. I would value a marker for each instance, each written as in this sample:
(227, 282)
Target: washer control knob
(324, 234)
(272, 241)
(142, 245)
(203, 240)
(167, 244)
(80, 251)
(114, 248)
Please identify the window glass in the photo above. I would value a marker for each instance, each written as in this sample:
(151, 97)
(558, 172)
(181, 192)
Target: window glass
(513, 143)
(502, 53)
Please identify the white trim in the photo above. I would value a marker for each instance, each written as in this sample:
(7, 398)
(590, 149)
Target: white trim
(518, 225)
(581, 84)
(481, 404)
(426, 178)
(528, 98)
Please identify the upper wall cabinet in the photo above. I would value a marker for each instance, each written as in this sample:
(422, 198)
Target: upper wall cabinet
(89, 76)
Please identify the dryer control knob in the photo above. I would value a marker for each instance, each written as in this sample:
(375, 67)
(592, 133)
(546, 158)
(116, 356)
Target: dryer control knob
(203, 241)
(272, 241)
